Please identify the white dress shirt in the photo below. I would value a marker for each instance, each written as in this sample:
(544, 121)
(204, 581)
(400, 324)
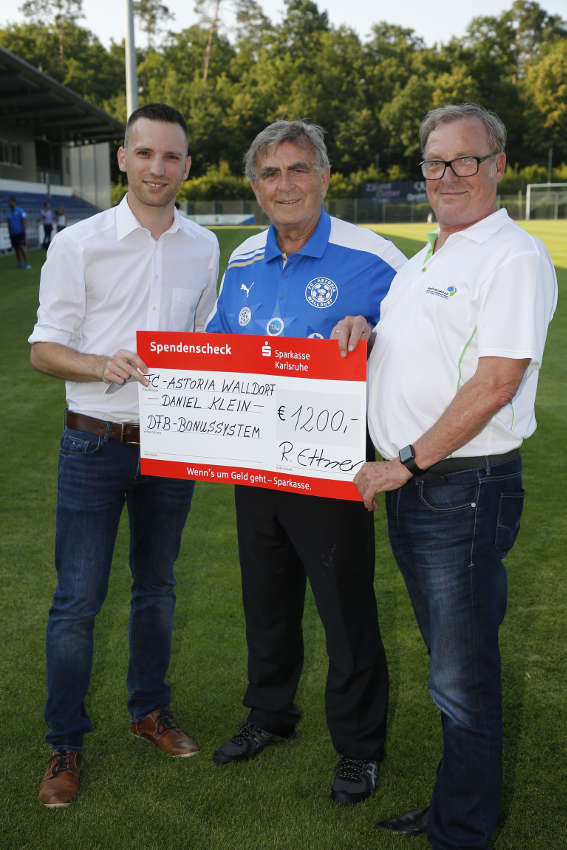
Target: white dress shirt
(106, 278)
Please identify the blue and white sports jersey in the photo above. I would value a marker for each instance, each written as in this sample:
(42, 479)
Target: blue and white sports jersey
(16, 221)
(341, 270)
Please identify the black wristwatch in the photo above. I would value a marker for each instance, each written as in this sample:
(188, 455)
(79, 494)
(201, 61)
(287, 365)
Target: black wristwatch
(407, 457)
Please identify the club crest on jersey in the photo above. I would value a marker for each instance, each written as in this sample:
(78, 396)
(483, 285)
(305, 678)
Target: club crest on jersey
(321, 292)
(275, 326)
(244, 317)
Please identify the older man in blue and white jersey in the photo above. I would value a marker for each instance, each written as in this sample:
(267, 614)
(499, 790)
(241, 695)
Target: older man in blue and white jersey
(298, 279)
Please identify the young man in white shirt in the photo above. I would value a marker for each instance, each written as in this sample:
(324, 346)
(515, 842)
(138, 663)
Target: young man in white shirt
(137, 266)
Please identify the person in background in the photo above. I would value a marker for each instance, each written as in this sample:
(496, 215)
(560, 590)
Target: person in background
(61, 218)
(47, 222)
(17, 219)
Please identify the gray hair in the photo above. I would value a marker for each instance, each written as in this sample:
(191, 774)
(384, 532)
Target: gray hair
(453, 112)
(298, 132)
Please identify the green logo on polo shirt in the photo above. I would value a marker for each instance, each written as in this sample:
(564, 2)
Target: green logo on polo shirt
(441, 293)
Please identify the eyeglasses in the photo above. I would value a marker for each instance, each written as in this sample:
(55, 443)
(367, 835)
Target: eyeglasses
(462, 166)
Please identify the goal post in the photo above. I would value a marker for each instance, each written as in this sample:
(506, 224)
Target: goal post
(549, 199)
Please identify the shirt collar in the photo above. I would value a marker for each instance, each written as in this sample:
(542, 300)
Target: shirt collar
(482, 230)
(487, 227)
(126, 221)
(315, 245)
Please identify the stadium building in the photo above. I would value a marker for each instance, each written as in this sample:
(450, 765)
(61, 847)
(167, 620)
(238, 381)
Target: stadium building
(54, 146)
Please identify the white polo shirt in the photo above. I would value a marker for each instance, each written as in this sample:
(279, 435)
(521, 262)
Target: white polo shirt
(490, 291)
(106, 278)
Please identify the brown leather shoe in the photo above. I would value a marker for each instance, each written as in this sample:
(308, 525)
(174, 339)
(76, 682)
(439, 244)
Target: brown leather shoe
(160, 728)
(60, 785)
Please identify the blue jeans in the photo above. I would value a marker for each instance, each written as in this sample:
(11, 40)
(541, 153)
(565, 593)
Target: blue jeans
(96, 477)
(449, 537)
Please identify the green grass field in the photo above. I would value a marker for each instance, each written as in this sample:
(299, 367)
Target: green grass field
(134, 797)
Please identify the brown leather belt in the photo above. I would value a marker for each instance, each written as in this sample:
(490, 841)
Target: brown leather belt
(126, 432)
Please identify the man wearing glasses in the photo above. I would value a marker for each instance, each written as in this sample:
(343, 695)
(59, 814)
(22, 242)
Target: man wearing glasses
(452, 381)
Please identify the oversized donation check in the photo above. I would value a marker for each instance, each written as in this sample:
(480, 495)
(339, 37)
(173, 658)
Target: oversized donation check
(283, 413)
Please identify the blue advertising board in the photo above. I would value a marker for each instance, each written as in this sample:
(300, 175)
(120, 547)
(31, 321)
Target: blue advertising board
(399, 192)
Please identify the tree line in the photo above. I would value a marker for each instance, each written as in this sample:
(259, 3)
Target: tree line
(369, 95)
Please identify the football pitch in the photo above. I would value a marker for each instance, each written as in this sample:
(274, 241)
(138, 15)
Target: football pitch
(131, 795)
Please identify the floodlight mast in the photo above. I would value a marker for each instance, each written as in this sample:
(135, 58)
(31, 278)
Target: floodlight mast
(131, 71)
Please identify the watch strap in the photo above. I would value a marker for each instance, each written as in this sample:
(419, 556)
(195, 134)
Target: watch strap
(407, 458)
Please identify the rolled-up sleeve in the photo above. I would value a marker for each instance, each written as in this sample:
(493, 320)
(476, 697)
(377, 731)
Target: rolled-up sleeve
(62, 294)
(209, 294)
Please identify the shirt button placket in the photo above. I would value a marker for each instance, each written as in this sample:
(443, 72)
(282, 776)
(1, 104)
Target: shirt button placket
(155, 285)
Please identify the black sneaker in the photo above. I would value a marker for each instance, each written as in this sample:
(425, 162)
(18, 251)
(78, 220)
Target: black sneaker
(248, 742)
(355, 780)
